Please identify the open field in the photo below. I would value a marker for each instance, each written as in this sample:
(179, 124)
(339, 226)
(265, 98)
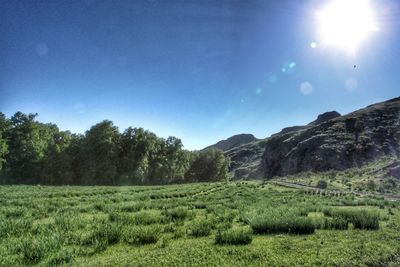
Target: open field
(209, 224)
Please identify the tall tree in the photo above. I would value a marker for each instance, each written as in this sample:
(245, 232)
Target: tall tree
(176, 159)
(28, 141)
(4, 127)
(33, 152)
(100, 150)
(57, 163)
(208, 165)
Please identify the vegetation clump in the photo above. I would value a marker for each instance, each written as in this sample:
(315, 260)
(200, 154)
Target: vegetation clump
(322, 184)
(200, 227)
(176, 214)
(281, 222)
(337, 223)
(141, 235)
(32, 152)
(361, 219)
(234, 236)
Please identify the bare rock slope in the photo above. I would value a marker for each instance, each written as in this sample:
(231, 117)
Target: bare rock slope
(331, 142)
(338, 143)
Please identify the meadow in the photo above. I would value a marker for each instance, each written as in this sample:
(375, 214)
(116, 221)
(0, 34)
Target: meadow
(203, 224)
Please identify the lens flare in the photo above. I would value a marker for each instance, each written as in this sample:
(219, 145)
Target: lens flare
(346, 23)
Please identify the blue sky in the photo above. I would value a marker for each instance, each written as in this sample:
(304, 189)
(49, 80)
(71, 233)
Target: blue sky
(199, 70)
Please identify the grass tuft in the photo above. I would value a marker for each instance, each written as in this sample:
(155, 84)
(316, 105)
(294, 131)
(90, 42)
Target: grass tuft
(234, 236)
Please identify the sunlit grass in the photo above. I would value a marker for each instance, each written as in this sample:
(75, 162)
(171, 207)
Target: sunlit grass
(195, 224)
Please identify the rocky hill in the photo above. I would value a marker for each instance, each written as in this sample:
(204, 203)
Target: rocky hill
(339, 143)
(233, 141)
(331, 142)
(246, 160)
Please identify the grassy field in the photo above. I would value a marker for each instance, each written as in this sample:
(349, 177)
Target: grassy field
(210, 224)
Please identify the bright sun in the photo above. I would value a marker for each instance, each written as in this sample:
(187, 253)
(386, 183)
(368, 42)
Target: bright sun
(346, 23)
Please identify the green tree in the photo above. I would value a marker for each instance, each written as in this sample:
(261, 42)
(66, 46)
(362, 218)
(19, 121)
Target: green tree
(100, 153)
(33, 152)
(75, 154)
(4, 127)
(137, 147)
(28, 141)
(176, 160)
(57, 163)
(208, 165)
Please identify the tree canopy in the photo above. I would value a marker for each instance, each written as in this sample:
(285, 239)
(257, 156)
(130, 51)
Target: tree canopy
(32, 152)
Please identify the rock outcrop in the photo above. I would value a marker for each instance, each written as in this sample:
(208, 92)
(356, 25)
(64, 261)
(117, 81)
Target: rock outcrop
(331, 142)
(325, 117)
(233, 141)
(246, 160)
(335, 142)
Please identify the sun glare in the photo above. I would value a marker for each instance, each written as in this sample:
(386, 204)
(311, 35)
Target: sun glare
(346, 23)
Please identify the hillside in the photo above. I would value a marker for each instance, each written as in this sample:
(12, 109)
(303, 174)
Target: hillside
(331, 142)
(233, 142)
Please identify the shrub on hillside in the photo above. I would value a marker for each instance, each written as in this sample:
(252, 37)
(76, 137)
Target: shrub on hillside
(35, 248)
(335, 223)
(234, 236)
(361, 219)
(103, 234)
(140, 235)
(322, 184)
(284, 223)
(200, 227)
(176, 214)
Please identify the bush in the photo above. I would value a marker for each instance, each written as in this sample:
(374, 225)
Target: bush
(200, 205)
(140, 235)
(130, 207)
(336, 223)
(234, 236)
(141, 218)
(208, 165)
(366, 220)
(61, 257)
(35, 248)
(147, 217)
(102, 235)
(14, 212)
(120, 218)
(327, 212)
(286, 223)
(200, 227)
(15, 227)
(176, 214)
(322, 184)
(361, 219)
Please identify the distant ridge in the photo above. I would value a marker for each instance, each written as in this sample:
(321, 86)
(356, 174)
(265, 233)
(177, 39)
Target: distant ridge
(331, 142)
(233, 141)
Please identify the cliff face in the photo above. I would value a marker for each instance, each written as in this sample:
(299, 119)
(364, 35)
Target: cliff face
(330, 142)
(338, 143)
(246, 160)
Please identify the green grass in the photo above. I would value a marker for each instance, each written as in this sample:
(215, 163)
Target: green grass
(200, 227)
(206, 224)
(141, 235)
(281, 222)
(360, 218)
(234, 236)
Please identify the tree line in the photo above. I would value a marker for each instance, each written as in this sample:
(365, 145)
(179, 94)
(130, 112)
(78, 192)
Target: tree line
(32, 152)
